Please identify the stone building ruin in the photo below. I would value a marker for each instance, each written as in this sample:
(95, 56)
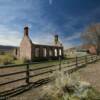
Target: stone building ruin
(30, 51)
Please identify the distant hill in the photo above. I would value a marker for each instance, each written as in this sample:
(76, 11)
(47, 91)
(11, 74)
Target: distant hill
(6, 48)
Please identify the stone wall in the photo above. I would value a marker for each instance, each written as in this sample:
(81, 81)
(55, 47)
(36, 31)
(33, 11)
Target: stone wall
(48, 51)
(26, 48)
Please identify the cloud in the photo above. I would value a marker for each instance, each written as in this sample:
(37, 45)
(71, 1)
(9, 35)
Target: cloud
(68, 45)
(9, 36)
(44, 39)
(73, 37)
(70, 41)
(48, 39)
(50, 2)
(43, 21)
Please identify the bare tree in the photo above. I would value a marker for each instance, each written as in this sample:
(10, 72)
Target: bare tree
(92, 36)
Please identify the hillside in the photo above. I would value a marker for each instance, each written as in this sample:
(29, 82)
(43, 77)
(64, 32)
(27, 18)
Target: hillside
(6, 48)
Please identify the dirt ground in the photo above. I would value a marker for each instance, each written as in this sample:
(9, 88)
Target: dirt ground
(32, 94)
(90, 74)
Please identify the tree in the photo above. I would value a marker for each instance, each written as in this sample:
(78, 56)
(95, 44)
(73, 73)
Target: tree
(91, 36)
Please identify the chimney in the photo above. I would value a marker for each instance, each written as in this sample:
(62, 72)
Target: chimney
(56, 39)
(26, 31)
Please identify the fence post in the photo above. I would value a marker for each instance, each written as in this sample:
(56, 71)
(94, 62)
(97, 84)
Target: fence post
(27, 74)
(99, 57)
(91, 59)
(86, 60)
(59, 63)
(76, 61)
(96, 58)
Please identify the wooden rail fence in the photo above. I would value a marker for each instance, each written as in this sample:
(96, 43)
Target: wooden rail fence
(15, 79)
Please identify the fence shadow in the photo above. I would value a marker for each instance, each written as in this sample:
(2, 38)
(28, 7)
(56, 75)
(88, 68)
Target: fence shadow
(24, 88)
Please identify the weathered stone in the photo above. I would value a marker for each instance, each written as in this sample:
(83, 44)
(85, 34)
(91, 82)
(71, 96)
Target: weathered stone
(29, 51)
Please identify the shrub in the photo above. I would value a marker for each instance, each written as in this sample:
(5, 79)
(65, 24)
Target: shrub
(67, 87)
(2, 53)
(6, 59)
(21, 61)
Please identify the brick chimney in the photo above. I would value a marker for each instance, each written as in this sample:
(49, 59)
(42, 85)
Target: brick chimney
(26, 29)
(56, 39)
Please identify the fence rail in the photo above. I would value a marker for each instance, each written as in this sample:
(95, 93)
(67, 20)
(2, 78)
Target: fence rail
(30, 74)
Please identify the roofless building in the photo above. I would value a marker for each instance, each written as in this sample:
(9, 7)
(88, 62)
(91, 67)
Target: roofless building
(31, 51)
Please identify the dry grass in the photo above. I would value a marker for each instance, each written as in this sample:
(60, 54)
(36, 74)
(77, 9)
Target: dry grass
(6, 58)
(67, 87)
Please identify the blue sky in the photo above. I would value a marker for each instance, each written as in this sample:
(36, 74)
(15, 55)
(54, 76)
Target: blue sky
(67, 18)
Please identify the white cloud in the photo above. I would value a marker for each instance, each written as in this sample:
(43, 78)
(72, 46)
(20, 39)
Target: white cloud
(45, 38)
(71, 38)
(50, 2)
(68, 45)
(9, 36)
(69, 42)
(12, 37)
